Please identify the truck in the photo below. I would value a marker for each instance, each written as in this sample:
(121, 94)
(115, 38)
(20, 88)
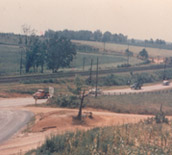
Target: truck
(41, 94)
(166, 83)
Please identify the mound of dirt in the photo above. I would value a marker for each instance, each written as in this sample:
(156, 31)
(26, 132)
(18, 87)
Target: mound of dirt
(64, 121)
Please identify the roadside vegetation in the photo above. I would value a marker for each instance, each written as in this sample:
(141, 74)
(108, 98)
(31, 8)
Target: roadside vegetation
(145, 137)
(142, 103)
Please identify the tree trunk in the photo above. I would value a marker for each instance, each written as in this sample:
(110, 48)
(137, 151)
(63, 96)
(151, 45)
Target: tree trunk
(80, 107)
(42, 68)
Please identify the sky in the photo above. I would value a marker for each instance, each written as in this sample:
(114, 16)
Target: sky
(139, 19)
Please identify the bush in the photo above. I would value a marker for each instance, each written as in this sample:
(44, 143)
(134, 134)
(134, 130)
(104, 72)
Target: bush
(118, 80)
(64, 101)
(123, 65)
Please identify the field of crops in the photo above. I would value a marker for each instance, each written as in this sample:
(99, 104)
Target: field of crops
(153, 52)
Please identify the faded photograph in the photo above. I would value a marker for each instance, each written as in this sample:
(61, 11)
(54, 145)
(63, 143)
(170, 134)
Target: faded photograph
(84, 77)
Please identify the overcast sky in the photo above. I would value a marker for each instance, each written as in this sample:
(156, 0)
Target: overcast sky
(141, 19)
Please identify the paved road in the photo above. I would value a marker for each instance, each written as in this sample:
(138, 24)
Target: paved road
(151, 88)
(11, 119)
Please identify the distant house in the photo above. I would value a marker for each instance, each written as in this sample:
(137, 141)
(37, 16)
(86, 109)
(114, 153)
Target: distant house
(157, 60)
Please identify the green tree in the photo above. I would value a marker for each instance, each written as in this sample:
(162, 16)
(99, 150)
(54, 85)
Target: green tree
(31, 53)
(97, 35)
(41, 55)
(143, 54)
(128, 53)
(106, 36)
(60, 53)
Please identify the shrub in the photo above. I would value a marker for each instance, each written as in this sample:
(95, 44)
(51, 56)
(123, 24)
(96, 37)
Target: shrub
(64, 101)
(140, 138)
(123, 65)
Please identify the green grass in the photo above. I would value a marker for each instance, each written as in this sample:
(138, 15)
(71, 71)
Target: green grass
(144, 103)
(105, 60)
(9, 59)
(154, 52)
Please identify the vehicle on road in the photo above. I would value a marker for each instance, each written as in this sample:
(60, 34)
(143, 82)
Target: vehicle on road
(166, 83)
(136, 86)
(41, 94)
(93, 91)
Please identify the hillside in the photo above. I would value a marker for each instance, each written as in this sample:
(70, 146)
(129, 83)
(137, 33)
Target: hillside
(113, 47)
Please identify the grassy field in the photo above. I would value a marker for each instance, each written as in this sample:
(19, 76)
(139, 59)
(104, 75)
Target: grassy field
(153, 52)
(145, 103)
(105, 60)
(10, 56)
(9, 59)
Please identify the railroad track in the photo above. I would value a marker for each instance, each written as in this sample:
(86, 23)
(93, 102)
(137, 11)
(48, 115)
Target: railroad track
(8, 79)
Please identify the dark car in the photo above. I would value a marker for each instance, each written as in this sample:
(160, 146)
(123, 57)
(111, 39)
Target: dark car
(136, 86)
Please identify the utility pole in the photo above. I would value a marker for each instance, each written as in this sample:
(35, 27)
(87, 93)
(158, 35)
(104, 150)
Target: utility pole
(84, 63)
(90, 78)
(21, 60)
(97, 76)
(164, 74)
(104, 46)
(21, 54)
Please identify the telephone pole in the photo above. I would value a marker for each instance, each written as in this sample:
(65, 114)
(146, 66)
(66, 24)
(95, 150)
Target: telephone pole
(164, 73)
(97, 76)
(21, 60)
(90, 78)
(84, 63)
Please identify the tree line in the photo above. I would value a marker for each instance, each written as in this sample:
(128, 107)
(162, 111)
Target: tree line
(109, 37)
(89, 35)
(97, 35)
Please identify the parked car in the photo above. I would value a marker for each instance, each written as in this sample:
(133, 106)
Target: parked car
(93, 91)
(165, 83)
(41, 94)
